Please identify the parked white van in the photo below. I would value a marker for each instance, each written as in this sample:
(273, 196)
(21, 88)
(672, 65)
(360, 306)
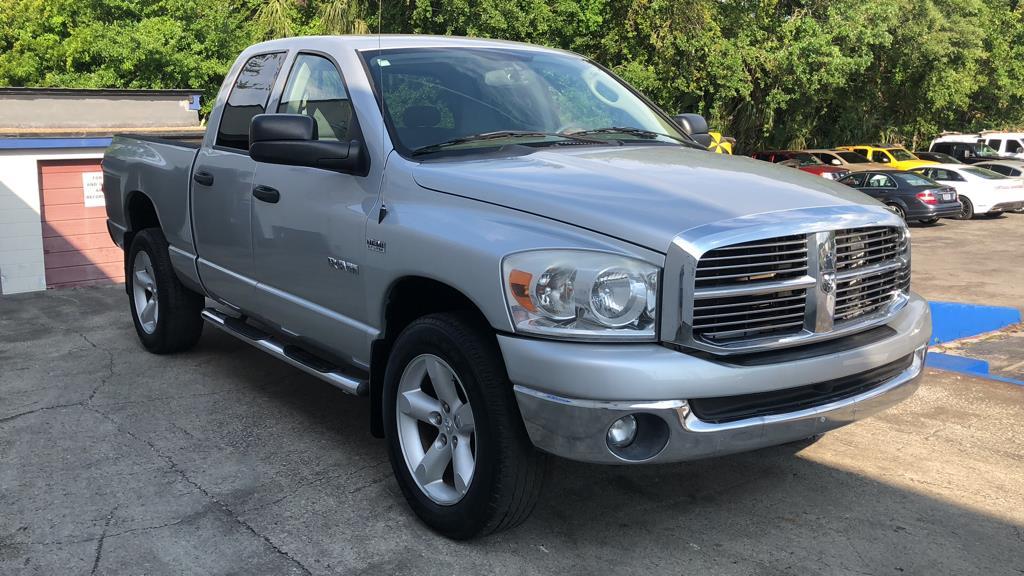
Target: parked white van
(1009, 144)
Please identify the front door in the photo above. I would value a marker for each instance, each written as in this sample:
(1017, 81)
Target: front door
(222, 187)
(309, 225)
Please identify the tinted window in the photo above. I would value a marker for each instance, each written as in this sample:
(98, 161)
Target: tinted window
(983, 173)
(943, 147)
(852, 157)
(1014, 147)
(995, 143)
(315, 89)
(879, 156)
(1015, 173)
(1004, 170)
(248, 98)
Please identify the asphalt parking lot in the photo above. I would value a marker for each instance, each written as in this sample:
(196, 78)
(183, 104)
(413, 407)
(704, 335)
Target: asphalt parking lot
(225, 461)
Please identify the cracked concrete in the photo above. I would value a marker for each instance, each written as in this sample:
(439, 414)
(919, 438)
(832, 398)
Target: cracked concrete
(224, 461)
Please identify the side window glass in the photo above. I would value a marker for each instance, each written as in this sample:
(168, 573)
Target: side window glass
(876, 181)
(994, 143)
(247, 99)
(315, 89)
(1015, 147)
(879, 156)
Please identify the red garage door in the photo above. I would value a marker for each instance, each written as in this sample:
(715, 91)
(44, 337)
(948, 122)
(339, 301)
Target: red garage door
(77, 249)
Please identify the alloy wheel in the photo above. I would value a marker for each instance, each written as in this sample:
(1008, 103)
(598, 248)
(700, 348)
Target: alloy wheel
(144, 292)
(436, 430)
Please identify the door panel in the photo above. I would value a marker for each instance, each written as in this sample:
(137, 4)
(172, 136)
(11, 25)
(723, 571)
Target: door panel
(221, 217)
(222, 187)
(309, 244)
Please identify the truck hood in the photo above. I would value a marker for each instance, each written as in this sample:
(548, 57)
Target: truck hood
(642, 194)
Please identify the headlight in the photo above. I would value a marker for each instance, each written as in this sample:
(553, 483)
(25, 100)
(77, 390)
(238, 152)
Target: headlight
(579, 294)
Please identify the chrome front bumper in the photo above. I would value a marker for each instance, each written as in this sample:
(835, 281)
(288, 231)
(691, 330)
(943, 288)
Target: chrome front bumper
(576, 429)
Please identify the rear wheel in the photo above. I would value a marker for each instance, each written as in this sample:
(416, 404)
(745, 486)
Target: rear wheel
(898, 210)
(930, 221)
(967, 211)
(456, 441)
(166, 314)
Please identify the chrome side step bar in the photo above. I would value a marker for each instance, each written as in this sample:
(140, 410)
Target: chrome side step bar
(293, 355)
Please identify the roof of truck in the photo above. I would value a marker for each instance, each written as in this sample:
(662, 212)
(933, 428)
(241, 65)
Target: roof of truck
(390, 41)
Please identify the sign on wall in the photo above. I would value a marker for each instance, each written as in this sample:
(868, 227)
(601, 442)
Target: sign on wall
(92, 185)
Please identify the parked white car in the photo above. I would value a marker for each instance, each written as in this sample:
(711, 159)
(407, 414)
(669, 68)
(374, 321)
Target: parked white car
(981, 191)
(1009, 144)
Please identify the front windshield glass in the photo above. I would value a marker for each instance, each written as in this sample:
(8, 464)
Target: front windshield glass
(852, 157)
(436, 95)
(984, 173)
(901, 155)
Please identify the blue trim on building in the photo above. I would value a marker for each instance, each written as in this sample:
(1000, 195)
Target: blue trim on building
(952, 320)
(49, 143)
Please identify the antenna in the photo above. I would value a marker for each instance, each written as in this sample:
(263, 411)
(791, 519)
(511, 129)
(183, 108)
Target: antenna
(380, 78)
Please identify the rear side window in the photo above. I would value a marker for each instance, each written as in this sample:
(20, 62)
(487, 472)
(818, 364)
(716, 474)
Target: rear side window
(881, 181)
(1014, 147)
(1004, 170)
(247, 99)
(315, 89)
(994, 143)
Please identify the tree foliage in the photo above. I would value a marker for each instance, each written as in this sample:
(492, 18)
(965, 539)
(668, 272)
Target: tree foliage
(773, 73)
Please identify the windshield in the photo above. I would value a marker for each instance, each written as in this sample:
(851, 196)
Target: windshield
(439, 95)
(985, 150)
(984, 173)
(852, 157)
(914, 179)
(901, 155)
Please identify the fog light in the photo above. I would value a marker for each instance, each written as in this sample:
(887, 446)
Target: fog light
(622, 432)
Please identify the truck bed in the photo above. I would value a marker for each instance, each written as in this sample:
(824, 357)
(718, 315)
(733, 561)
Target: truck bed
(163, 170)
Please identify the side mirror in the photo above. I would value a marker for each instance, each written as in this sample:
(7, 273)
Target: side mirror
(691, 123)
(291, 139)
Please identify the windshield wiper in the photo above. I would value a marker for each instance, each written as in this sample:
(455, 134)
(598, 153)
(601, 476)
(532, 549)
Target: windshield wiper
(497, 136)
(640, 132)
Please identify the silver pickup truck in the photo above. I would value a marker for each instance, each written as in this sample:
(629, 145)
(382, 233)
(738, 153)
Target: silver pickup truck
(513, 253)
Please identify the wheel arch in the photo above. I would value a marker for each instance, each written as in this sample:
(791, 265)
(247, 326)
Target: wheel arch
(409, 298)
(139, 213)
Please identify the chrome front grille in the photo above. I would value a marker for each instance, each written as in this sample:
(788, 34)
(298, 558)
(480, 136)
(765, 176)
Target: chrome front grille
(717, 315)
(870, 273)
(795, 288)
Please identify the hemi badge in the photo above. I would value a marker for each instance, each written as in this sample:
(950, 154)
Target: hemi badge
(376, 245)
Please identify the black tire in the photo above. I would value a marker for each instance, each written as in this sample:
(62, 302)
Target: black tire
(968, 209)
(993, 215)
(898, 210)
(509, 470)
(178, 324)
(930, 221)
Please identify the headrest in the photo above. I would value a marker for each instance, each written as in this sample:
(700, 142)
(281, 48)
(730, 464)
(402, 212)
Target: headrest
(421, 116)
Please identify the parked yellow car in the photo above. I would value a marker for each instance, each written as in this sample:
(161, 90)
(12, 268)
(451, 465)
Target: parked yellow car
(895, 157)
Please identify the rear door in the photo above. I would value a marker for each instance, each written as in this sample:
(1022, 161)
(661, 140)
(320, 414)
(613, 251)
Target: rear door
(309, 243)
(879, 186)
(222, 187)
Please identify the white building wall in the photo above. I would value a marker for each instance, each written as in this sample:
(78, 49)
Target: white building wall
(21, 231)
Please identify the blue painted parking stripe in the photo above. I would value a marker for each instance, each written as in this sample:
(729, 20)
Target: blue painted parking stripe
(966, 365)
(952, 320)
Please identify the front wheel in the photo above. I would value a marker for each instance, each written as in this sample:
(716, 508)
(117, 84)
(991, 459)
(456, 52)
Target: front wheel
(166, 313)
(456, 441)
